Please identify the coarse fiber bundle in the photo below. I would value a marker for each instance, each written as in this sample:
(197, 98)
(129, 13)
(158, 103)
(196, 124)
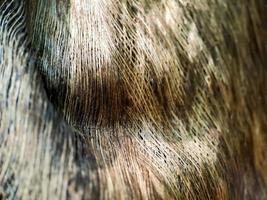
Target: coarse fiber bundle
(133, 99)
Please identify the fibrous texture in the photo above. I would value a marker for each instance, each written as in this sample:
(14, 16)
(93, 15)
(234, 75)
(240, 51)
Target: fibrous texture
(142, 99)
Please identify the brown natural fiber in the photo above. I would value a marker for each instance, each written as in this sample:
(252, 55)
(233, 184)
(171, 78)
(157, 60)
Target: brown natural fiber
(142, 99)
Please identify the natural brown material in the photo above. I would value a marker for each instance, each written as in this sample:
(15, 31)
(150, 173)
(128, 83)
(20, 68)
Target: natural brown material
(142, 99)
